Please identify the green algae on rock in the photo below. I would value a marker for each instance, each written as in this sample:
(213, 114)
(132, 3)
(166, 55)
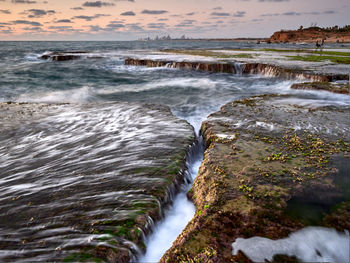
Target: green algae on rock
(261, 153)
(87, 180)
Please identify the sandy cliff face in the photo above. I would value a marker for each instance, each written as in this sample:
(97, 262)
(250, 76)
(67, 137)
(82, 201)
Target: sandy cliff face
(311, 35)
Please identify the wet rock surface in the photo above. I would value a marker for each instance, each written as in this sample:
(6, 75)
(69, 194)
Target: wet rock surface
(271, 168)
(85, 182)
(340, 88)
(244, 68)
(67, 55)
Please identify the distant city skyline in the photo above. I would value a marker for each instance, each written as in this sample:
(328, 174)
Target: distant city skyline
(134, 19)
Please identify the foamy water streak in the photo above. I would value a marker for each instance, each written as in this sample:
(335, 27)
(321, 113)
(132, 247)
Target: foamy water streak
(177, 215)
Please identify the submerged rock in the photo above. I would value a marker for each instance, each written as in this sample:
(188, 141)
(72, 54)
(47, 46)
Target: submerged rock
(64, 56)
(262, 153)
(68, 55)
(85, 182)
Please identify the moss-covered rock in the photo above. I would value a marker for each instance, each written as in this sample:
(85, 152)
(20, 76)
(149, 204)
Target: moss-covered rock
(254, 166)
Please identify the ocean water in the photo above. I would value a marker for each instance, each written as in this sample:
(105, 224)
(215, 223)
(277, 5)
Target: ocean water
(101, 78)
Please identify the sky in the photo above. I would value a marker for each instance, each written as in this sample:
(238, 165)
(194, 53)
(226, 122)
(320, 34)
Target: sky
(135, 19)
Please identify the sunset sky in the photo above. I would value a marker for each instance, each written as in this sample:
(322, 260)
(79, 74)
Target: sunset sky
(133, 19)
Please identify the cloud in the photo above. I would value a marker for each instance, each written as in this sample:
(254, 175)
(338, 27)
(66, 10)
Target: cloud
(217, 8)
(26, 22)
(135, 27)
(186, 23)
(64, 29)
(6, 12)
(77, 8)
(291, 14)
(35, 13)
(64, 21)
(97, 4)
(6, 31)
(95, 28)
(190, 14)
(23, 2)
(219, 14)
(128, 13)
(90, 18)
(156, 25)
(154, 12)
(115, 25)
(239, 14)
(274, 0)
(329, 12)
(275, 14)
(35, 28)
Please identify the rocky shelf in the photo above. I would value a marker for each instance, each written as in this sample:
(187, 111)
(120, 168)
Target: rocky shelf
(340, 88)
(270, 169)
(244, 68)
(90, 180)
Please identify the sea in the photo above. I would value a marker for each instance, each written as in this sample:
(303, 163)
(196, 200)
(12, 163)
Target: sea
(101, 78)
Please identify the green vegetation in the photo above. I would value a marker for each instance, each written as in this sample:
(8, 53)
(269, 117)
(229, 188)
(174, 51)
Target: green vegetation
(313, 58)
(206, 53)
(311, 51)
(81, 257)
(331, 53)
(333, 56)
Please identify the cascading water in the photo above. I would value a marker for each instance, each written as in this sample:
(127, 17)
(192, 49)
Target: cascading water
(178, 214)
(239, 67)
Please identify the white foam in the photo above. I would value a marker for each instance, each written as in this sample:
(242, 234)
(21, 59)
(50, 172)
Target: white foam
(176, 218)
(83, 94)
(311, 244)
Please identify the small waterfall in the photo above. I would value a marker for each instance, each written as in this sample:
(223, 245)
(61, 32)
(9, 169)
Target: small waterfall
(239, 67)
(178, 214)
(170, 65)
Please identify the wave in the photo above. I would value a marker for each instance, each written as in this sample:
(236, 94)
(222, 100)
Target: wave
(80, 95)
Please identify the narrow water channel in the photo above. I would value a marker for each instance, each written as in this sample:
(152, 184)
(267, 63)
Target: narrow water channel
(179, 213)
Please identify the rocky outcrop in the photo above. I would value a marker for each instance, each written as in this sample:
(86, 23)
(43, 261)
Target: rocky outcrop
(62, 56)
(69, 55)
(257, 172)
(86, 181)
(246, 68)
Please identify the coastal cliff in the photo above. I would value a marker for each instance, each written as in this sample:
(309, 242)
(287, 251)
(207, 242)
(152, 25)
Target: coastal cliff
(312, 34)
